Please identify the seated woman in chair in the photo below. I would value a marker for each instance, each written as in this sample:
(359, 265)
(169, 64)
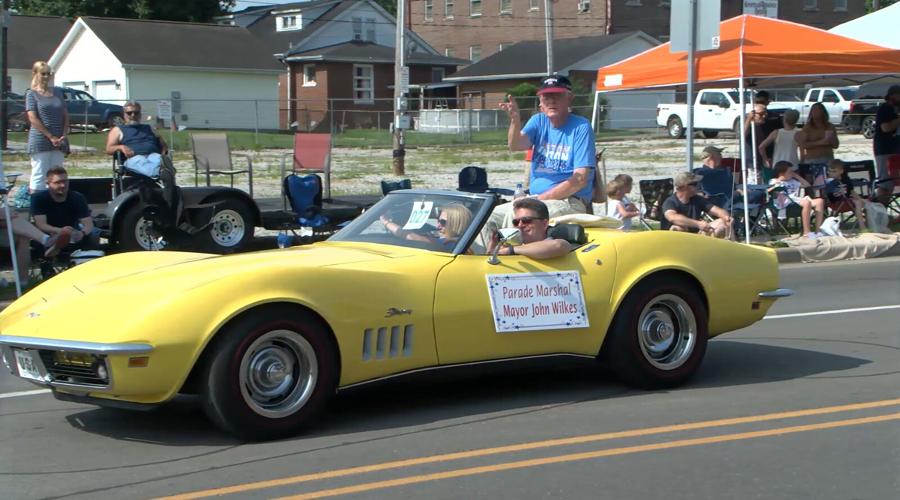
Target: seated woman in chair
(453, 220)
(140, 143)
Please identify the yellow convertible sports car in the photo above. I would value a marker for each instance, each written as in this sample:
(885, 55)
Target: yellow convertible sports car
(266, 338)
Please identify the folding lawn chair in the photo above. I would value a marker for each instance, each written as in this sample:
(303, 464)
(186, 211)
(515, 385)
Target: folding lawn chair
(893, 180)
(653, 193)
(212, 155)
(312, 154)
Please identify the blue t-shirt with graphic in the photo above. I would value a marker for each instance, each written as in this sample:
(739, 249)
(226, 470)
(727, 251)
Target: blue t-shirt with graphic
(559, 151)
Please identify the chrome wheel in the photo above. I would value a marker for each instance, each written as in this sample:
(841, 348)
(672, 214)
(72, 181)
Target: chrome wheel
(228, 228)
(278, 373)
(146, 237)
(667, 332)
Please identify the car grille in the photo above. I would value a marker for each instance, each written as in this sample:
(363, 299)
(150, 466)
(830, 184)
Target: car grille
(73, 373)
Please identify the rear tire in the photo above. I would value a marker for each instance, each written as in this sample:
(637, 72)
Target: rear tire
(659, 334)
(231, 227)
(868, 127)
(269, 373)
(675, 128)
(736, 127)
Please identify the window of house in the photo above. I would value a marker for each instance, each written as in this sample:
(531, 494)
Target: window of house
(289, 22)
(474, 8)
(810, 4)
(840, 5)
(534, 4)
(506, 6)
(475, 53)
(357, 28)
(363, 83)
(437, 75)
(370, 29)
(429, 10)
(448, 9)
(309, 75)
(584, 6)
(448, 51)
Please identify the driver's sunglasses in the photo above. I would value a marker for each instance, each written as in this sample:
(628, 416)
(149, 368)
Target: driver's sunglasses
(133, 113)
(442, 222)
(526, 220)
(694, 184)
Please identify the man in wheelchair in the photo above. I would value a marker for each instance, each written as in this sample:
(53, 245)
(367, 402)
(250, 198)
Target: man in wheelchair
(141, 145)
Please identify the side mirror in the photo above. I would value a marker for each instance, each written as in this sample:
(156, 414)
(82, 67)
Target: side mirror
(724, 104)
(510, 237)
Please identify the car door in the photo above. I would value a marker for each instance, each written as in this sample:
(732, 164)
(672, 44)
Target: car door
(474, 321)
(711, 110)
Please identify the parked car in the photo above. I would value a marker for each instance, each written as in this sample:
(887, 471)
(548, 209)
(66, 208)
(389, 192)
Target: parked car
(17, 120)
(860, 116)
(86, 111)
(714, 110)
(266, 338)
(835, 99)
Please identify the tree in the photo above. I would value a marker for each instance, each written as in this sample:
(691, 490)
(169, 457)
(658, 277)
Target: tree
(391, 6)
(170, 10)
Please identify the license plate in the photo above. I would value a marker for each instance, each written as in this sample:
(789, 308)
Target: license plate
(27, 367)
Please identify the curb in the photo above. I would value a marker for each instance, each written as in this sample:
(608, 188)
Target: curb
(792, 255)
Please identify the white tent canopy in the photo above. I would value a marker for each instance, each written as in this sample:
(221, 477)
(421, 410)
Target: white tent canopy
(878, 28)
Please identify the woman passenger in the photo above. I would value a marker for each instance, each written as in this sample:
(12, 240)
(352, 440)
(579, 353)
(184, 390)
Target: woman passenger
(452, 222)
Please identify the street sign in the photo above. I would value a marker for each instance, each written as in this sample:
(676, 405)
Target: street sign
(404, 80)
(765, 8)
(709, 15)
(164, 110)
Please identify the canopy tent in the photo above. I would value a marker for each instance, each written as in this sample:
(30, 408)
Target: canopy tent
(879, 27)
(761, 49)
(756, 51)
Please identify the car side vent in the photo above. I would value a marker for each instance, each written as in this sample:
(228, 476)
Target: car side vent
(387, 342)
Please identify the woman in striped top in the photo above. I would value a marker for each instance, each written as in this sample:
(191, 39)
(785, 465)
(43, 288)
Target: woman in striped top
(46, 109)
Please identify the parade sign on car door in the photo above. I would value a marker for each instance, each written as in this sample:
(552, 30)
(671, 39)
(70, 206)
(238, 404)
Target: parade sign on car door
(537, 301)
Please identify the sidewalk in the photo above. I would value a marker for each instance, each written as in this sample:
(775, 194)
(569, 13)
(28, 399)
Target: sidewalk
(830, 249)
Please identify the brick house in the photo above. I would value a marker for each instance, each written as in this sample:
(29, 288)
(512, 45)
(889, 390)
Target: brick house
(339, 52)
(484, 84)
(474, 29)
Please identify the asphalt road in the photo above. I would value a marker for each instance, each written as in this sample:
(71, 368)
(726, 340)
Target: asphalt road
(805, 404)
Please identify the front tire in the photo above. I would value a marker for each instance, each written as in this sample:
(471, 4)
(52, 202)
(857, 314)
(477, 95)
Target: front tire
(710, 134)
(136, 233)
(659, 334)
(675, 128)
(269, 373)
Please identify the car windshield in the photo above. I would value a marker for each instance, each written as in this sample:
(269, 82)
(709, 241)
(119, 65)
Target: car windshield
(431, 220)
(847, 94)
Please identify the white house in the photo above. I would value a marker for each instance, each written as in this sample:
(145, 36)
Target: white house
(30, 39)
(216, 76)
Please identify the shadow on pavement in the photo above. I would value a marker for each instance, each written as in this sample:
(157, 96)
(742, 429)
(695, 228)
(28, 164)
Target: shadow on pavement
(470, 394)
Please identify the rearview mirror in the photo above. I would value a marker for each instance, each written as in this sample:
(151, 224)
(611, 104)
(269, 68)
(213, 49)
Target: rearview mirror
(509, 237)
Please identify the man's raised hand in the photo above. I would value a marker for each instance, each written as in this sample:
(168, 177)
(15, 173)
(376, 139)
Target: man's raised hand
(511, 107)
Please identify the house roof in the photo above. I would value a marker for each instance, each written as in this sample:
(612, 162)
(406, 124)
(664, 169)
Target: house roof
(178, 44)
(279, 42)
(528, 58)
(24, 48)
(368, 52)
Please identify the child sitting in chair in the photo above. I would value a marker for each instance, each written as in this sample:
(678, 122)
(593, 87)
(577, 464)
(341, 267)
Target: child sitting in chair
(618, 205)
(788, 189)
(839, 191)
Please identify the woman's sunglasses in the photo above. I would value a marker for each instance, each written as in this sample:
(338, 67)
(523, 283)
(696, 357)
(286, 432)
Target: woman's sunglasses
(442, 222)
(132, 113)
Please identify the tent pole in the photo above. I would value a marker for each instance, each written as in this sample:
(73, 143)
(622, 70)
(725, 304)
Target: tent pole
(753, 138)
(743, 149)
(692, 38)
(594, 113)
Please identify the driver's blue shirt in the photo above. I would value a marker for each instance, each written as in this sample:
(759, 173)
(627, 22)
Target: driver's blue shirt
(559, 151)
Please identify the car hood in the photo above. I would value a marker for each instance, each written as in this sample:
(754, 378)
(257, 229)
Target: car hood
(131, 285)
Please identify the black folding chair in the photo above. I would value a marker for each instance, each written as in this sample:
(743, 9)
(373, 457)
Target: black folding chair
(653, 193)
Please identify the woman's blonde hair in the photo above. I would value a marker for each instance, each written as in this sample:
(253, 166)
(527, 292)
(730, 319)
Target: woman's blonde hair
(36, 69)
(458, 219)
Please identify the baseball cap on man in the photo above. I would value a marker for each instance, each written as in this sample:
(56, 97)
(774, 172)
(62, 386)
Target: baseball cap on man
(709, 150)
(554, 84)
(685, 178)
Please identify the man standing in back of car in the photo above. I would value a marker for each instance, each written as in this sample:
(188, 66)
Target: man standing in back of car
(886, 142)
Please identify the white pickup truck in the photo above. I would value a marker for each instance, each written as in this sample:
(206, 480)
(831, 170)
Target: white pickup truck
(835, 99)
(714, 110)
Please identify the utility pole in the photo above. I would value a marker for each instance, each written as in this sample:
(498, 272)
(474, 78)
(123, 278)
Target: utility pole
(548, 30)
(399, 153)
(4, 74)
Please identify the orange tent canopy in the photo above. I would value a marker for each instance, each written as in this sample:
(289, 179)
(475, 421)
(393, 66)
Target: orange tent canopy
(760, 48)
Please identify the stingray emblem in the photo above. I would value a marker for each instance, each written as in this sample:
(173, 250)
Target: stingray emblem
(33, 315)
(393, 311)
